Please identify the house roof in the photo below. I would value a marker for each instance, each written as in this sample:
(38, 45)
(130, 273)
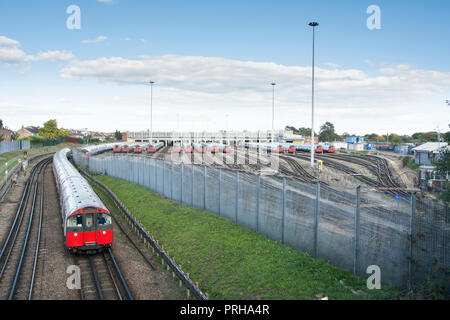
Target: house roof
(431, 147)
(34, 130)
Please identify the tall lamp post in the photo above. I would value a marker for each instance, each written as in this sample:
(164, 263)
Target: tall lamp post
(313, 25)
(151, 111)
(273, 84)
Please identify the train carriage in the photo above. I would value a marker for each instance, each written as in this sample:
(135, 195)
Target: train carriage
(87, 223)
(152, 148)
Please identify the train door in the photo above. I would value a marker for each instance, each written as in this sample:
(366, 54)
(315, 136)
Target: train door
(90, 234)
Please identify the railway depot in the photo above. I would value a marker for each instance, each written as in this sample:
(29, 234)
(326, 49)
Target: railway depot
(200, 155)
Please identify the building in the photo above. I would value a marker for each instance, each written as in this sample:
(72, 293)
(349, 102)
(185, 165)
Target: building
(6, 133)
(26, 132)
(426, 153)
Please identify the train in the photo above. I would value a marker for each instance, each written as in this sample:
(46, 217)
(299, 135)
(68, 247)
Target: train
(188, 148)
(152, 148)
(265, 147)
(92, 150)
(177, 147)
(137, 149)
(199, 147)
(87, 222)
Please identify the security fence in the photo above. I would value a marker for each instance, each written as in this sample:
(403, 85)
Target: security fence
(13, 146)
(408, 240)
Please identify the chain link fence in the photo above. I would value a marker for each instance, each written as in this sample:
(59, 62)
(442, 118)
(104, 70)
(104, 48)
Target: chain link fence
(408, 240)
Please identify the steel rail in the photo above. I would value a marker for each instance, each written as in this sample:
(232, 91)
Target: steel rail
(30, 221)
(116, 287)
(27, 192)
(96, 280)
(39, 230)
(119, 273)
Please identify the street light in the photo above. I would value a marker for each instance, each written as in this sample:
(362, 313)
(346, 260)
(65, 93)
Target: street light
(273, 84)
(151, 111)
(314, 25)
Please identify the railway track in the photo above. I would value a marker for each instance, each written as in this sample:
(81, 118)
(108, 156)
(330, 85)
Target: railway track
(101, 278)
(379, 167)
(20, 250)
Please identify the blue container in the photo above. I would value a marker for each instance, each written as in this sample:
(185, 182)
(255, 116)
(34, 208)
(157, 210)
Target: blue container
(360, 139)
(351, 140)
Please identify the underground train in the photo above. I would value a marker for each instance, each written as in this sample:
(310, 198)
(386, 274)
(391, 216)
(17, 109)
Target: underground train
(265, 147)
(137, 149)
(152, 148)
(176, 148)
(87, 223)
(200, 147)
(307, 147)
(97, 149)
(188, 148)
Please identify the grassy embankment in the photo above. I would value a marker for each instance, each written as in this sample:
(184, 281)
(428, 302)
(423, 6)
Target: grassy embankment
(232, 262)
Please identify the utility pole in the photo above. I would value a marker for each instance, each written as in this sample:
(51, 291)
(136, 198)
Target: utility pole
(314, 25)
(151, 111)
(273, 84)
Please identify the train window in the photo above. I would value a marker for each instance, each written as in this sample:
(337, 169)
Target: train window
(104, 219)
(75, 221)
(89, 220)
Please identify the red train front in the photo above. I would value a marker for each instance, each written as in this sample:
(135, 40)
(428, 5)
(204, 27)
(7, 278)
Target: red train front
(87, 223)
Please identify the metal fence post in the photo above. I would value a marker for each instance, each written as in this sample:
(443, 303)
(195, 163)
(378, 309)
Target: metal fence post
(237, 196)
(204, 187)
(258, 190)
(356, 237)
(164, 178)
(220, 191)
(316, 219)
(411, 230)
(192, 185)
(171, 180)
(284, 210)
(181, 182)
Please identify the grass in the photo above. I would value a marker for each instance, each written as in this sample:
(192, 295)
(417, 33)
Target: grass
(232, 262)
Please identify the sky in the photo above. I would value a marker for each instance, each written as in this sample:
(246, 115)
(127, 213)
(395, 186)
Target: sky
(214, 60)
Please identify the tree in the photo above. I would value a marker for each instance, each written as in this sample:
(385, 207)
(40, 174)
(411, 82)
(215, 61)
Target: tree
(1, 124)
(327, 133)
(1, 138)
(447, 136)
(14, 136)
(442, 168)
(50, 130)
(118, 135)
(395, 139)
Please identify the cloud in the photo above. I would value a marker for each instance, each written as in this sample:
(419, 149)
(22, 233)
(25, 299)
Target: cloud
(220, 75)
(332, 65)
(11, 53)
(55, 55)
(98, 39)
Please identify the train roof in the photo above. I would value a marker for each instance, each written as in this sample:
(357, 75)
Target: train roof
(74, 189)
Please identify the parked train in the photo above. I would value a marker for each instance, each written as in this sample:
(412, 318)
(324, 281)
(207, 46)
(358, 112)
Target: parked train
(177, 148)
(264, 147)
(152, 148)
(92, 150)
(318, 148)
(188, 148)
(199, 147)
(87, 223)
(137, 149)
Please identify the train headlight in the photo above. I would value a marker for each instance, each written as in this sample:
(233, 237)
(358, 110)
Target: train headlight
(104, 232)
(75, 234)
